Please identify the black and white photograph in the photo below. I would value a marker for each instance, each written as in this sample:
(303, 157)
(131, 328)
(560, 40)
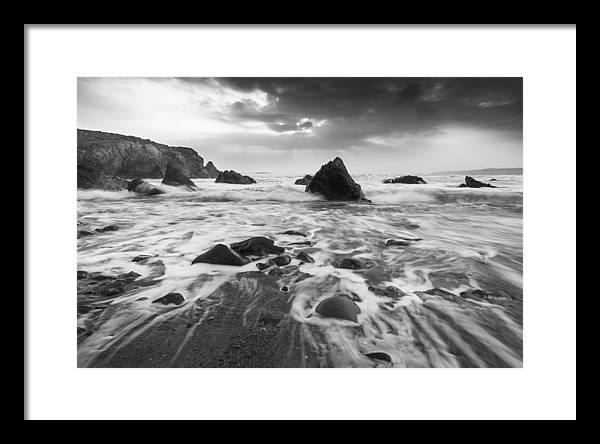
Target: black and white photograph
(300, 222)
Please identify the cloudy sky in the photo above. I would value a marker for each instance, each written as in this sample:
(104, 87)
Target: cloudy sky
(293, 125)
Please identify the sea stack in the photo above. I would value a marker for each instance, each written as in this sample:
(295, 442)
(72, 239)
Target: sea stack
(175, 177)
(334, 183)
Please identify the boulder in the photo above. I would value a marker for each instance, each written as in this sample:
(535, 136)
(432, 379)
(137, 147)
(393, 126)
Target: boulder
(411, 180)
(142, 258)
(221, 255)
(397, 243)
(171, 298)
(305, 257)
(84, 233)
(230, 176)
(334, 183)
(339, 306)
(175, 177)
(142, 187)
(304, 181)
(351, 263)
(294, 233)
(258, 246)
(472, 183)
(262, 266)
(280, 261)
(107, 228)
(390, 291)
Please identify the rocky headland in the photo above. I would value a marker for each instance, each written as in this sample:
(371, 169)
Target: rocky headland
(103, 157)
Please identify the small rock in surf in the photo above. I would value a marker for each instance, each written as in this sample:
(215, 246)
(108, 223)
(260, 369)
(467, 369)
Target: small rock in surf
(141, 258)
(256, 246)
(171, 298)
(294, 233)
(351, 263)
(382, 356)
(84, 233)
(142, 187)
(107, 228)
(221, 255)
(280, 261)
(397, 243)
(305, 257)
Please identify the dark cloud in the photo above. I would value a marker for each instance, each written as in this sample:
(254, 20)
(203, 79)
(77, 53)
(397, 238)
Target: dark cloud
(362, 107)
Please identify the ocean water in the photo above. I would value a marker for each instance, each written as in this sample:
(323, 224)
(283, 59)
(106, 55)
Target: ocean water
(462, 239)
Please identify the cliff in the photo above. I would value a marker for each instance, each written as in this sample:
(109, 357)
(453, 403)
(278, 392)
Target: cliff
(129, 156)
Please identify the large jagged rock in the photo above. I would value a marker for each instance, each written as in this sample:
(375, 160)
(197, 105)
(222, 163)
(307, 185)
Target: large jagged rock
(334, 183)
(88, 178)
(128, 156)
(258, 246)
(472, 183)
(221, 255)
(175, 177)
(230, 176)
(142, 187)
(411, 180)
(304, 181)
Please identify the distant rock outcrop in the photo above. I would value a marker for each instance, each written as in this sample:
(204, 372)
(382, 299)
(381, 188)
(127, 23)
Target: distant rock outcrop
(472, 183)
(128, 156)
(88, 178)
(411, 180)
(142, 187)
(304, 181)
(334, 183)
(175, 177)
(230, 176)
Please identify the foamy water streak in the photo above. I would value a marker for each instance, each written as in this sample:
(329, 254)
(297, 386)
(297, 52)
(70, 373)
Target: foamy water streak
(471, 239)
